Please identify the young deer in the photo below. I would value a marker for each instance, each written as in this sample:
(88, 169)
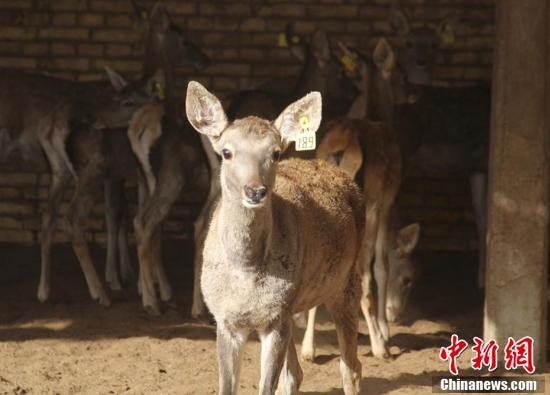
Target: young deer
(154, 145)
(51, 104)
(321, 72)
(283, 238)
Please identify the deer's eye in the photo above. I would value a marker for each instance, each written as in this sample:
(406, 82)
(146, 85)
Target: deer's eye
(128, 103)
(227, 154)
(276, 156)
(407, 282)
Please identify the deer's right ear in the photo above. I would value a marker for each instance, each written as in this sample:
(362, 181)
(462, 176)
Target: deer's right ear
(117, 81)
(302, 114)
(204, 111)
(400, 22)
(384, 58)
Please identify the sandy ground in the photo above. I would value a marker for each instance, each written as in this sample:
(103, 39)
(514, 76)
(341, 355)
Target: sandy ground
(72, 346)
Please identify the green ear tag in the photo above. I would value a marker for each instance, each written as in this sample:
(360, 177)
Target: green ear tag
(306, 140)
(349, 62)
(159, 89)
(282, 43)
(447, 35)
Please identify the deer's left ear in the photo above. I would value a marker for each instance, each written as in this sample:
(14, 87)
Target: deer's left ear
(204, 111)
(407, 238)
(302, 114)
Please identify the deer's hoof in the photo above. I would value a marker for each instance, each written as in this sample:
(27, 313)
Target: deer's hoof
(308, 354)
(153, 311)
(104, 301)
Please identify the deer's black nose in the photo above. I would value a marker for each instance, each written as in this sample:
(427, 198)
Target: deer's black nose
(255, 193)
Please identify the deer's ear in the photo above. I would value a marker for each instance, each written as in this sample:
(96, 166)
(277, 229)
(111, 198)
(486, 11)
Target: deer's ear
(384, 57)
(117, 81)
(204, 111)
(407, 238)
(159, 20)
(320, 45)
(304, 113)
(400, 22)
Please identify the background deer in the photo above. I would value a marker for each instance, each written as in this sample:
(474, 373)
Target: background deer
(152, 142)
(51, 105)
(266, 255)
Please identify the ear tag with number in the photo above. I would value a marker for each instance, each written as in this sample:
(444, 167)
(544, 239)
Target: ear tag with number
(349, 62)
(447, 35)
(306, 140)
(159, 89)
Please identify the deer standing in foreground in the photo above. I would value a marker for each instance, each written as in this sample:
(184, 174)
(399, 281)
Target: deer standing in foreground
(321, 71)
(276, 243)
(51, 104)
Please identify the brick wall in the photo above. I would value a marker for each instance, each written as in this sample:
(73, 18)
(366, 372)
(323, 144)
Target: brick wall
(76, 38)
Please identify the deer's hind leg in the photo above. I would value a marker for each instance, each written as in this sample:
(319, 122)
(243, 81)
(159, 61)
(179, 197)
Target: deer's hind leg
(292, 374)
(89, 186)
(116, 217)
(344, 311)
(147, 225)
(61, 178)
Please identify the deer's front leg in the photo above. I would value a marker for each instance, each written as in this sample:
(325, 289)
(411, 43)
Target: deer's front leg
(274, 348)
(230, 344)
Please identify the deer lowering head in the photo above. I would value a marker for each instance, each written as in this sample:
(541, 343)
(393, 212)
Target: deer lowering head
(418, 44)
(250, 147)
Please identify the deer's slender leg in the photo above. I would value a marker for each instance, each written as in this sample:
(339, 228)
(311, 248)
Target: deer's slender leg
(308, 344)
(275, 343)
(378, 345)
(59, 184)
(229, 344)
(381, 271)
(112, 221)
(478, 187)
(148, 220)
(198, 308)
(126, 269)
(291, 375)
(90, 183)
(344, 313)
(160, 274)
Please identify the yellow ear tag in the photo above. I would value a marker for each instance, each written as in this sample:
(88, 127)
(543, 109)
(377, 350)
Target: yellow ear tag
(306, 140)
(447, 35)
(159, 89)
(349, 62)
(295, 39)
(282, 41)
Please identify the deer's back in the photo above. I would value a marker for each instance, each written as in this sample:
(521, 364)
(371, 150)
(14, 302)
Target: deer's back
(319, 216)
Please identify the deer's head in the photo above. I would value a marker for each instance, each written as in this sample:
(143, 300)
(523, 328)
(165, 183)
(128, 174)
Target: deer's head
(251, 146)
(418, 45)
(322, 72)
(117, 109)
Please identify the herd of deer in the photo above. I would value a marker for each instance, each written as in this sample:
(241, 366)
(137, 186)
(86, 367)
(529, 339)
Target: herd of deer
(275, 237)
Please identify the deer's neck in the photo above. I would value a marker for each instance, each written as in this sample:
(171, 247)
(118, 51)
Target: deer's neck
(245, 233)
(310, 78)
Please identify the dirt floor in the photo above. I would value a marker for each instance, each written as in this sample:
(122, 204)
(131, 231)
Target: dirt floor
(73, 346)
